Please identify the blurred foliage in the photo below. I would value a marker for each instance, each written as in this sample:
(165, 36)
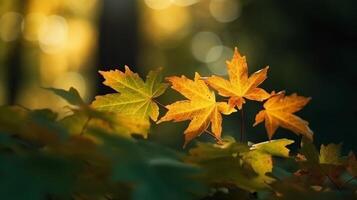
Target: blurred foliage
(46, 43)
(43, 157)
(97, 154)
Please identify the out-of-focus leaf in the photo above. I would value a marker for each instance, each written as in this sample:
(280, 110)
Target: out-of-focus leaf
(117, 124)
(36, 177)
(208, 151)
(156, 172)
(274, 147)
(293, 189)
(71, 96)
(284, 167)
(11, 118)
(309, 151)
(321, 168)
(217, 161)
(330, 154)
(37, 127)
(352, 164)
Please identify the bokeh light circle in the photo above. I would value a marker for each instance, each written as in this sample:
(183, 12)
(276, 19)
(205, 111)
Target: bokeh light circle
(225, 10)
(158, 4)
(219, 66)
(202, 43)
(53, 34)
(10, 26)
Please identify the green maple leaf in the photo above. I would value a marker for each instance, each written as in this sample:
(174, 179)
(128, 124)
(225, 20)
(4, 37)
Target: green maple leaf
(274, 147)
(85, 116)
(71, 96)
(134, 97)
(324, 165)
(235, 163)
(330, 154)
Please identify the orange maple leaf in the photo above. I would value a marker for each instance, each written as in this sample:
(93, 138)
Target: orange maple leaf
(279, 111)
(240, 86)
(201, 107)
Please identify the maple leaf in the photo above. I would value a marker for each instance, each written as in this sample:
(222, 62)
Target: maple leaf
(274, 147)
(240, 86)
(352, 164)
(318, 167)
(250, 165)
(201, 107)
(330, 154)
(135, 96)
(279, 111)
(72, 96)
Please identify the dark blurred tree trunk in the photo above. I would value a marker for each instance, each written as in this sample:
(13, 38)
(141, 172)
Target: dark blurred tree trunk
(117, 37)
(14, 71)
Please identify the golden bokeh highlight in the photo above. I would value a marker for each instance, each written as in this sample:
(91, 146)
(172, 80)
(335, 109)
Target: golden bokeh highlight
(225, 10)
(158, 4)
(184, 2)
(223, 54)
(53, 34)
(10, 26)
(58, 39)
(31, 26)
(173, 22)
(81, 42)
(201, 45)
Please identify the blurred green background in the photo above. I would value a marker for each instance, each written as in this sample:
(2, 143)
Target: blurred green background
(310, 47)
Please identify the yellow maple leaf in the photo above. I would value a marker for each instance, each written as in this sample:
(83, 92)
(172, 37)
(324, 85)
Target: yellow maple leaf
(134, 97)
(201, 107)
(240, 86)
(279, 111)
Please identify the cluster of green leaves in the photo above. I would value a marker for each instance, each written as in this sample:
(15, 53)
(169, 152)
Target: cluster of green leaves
(73, 158)
(92, 153)
(84, 157)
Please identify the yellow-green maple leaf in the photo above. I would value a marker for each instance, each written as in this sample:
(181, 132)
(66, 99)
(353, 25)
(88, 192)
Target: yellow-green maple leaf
(274, 147)
(330, 154)
(134, 97)
(250, 166)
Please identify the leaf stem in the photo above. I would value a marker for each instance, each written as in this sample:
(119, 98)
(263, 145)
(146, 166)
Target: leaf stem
(242, 128)
(213, 135)
(160, 104)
